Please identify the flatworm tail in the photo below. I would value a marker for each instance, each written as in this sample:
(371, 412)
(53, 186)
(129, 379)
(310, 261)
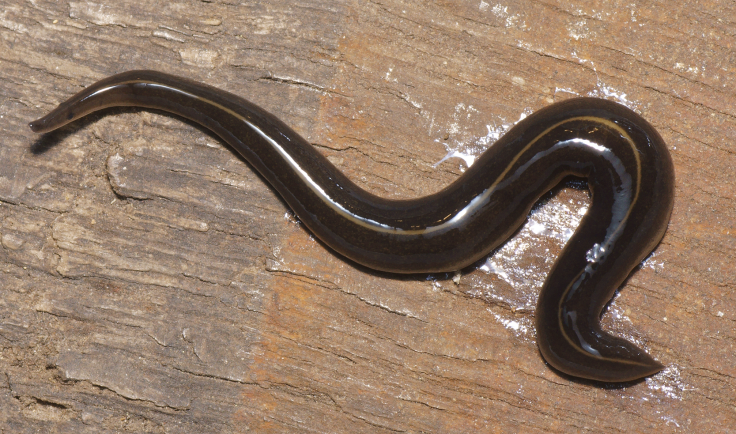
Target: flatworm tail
(626, 163)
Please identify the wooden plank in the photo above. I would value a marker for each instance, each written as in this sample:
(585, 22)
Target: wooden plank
(153, 283)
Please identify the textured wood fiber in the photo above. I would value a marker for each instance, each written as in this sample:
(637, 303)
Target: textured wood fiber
(151, 282)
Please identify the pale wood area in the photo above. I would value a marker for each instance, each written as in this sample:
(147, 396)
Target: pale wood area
(151, 282)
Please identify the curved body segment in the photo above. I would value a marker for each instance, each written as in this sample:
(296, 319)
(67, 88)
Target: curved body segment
(626, 164)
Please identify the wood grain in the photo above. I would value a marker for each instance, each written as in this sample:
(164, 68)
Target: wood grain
(152, 282)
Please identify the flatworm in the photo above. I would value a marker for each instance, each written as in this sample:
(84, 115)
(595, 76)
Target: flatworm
(625, 161)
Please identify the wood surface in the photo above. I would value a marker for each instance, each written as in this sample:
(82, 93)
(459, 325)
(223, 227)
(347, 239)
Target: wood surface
(152, 282)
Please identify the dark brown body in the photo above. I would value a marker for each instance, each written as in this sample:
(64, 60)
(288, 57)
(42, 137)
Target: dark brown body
(625, 161)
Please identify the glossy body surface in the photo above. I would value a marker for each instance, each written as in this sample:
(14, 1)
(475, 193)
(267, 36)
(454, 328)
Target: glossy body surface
(626, 164)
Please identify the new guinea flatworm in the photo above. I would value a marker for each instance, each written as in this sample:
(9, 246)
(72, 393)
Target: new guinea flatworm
(625, 161)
